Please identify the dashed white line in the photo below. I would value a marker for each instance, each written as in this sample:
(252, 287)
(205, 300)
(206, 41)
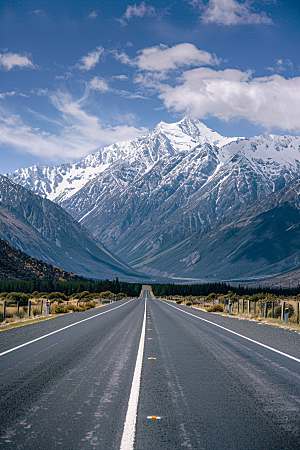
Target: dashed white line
(127, 441)
(237, 334)
(61, 329)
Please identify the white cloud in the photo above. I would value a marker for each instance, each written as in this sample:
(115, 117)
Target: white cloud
(272, 101)
(163, 58)
(93, 14)
(98, 84)
(10, 60)
(140, 11)
(7, 94)
(231, 12)
(89, 61)
(80, 133)
(281, 66)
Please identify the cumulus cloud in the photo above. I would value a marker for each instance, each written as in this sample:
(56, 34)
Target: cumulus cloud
(163, 58)
(98, 84)
(230, 12)
(89, 61)
(140, 11)
(9, 61)
(79, 132)
(272, 101)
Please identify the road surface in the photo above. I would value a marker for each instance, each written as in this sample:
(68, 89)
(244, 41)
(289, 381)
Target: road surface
(175, 377)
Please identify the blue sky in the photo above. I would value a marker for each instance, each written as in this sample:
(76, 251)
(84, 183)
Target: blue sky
(76, 76)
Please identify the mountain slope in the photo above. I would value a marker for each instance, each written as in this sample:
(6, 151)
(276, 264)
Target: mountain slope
(259, 241)
(45, 231)
(146, 197)
(16, 265)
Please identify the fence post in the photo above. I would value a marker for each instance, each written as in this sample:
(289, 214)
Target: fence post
(42, 305)
(230, 308)
(282, 310)
(224, 303)
(266, 310)
(248, 304)
(254, 307)
(29, 307)
(243, 306)
(18, 308)
(4, 308)
(260, 308)
(238, 306)
(297, 312)
(272, 310)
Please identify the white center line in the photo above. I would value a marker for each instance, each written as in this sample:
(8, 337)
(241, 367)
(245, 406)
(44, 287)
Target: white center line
(127, 441)
(233, 332)
(61, 329)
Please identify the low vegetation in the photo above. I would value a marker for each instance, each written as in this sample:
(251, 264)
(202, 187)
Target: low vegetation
(18, 309)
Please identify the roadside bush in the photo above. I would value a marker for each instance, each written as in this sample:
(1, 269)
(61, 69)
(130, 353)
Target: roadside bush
(14, 297)
(22, 314)
(277, 312)
(56, 295)
(293, 318)
(9, 315)
(215, 308)
(188, 303)
(178, 302)
(89, 305)
(1, 317)
(84, 294)
(36, 311)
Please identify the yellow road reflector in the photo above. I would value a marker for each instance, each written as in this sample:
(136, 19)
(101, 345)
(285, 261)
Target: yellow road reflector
(149, 339)
(149, 329)
(153, 417)
(151, 357)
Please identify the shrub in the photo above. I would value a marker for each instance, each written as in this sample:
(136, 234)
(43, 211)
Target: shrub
(89, 305)
(277, 312)
(70, 307)
(56, 295)
(178, 301)
(9, 315)
(60, 309)
(188, 303)
(84, 294)
(36, 311)
(22, 314)
(1, 317)
(215, 308)
(18, 297)
(294, 318)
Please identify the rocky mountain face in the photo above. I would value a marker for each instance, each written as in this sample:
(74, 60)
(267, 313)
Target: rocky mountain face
(47, 232)
(258, 241)
(151, 200)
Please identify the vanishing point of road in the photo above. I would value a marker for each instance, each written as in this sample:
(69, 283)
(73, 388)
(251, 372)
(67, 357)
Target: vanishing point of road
(148, 374)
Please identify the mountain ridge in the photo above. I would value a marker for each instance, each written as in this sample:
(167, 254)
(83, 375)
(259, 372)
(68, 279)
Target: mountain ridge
(172, 183)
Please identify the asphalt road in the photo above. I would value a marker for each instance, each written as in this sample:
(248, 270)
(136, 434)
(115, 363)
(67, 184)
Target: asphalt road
(208, 388)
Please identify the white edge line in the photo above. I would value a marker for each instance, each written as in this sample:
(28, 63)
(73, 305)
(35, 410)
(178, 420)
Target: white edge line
(237, 334)
(128, 436)
(61, 329)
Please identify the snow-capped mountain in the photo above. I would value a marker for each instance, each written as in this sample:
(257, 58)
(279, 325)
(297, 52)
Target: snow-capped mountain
(144, 197)
(59, 183)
